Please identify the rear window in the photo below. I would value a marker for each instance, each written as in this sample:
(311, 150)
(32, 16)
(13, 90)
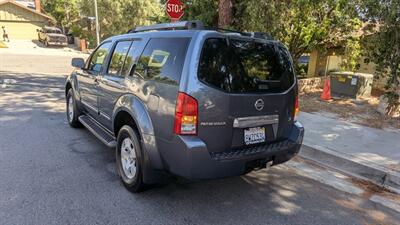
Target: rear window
(163, 59)
(238, 66)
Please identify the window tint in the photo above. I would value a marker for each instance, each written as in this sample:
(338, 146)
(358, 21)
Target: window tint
(246, 67)
(98, 57)
(130, 59)
(163, 59)
(119, 57)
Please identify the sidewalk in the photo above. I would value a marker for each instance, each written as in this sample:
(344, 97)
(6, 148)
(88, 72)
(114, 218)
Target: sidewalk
(367, 153)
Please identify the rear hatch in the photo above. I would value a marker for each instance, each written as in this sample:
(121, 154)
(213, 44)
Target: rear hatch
(247, 94)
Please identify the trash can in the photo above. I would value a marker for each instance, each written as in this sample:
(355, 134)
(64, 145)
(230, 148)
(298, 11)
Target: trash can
(349, 84)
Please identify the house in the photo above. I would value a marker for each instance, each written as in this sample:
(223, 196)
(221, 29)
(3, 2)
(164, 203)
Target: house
(323, 62)
(22, 18)
(328, 59)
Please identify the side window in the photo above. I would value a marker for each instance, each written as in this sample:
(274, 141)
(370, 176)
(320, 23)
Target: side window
(98, 57)
(163, 59)
(119, 57)
(130, 59)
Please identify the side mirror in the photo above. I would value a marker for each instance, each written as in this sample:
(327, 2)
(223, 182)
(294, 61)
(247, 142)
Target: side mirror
(78, 63)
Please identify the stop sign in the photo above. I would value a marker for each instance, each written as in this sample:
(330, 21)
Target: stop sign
(174, 9)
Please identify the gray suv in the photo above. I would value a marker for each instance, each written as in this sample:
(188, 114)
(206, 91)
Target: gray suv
(185, 100)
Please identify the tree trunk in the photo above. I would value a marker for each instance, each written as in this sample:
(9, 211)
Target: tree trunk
(225, 13)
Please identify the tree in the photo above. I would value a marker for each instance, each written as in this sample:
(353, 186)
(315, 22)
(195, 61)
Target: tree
(225, 13)
(204, 10)
(65, 12)
(383, 47)
(119, 16)
(303, 25)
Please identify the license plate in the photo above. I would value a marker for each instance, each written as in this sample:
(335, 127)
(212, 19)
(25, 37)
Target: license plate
(254, 135)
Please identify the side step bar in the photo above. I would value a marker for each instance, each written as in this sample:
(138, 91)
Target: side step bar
(99, 131)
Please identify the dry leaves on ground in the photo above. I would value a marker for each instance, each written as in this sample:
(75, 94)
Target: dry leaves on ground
(363, 112)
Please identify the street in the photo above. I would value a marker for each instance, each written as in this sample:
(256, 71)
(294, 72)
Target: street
(51, 173)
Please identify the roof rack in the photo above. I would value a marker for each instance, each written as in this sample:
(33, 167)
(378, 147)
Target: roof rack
(260, 35)
(183, 25)
(196, 25)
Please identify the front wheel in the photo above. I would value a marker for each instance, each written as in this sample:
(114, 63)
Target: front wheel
(73, 112)
(129, 160)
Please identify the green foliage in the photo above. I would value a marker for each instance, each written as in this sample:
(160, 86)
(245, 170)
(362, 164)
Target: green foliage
(302, 25)
(116, 16)
(204, 10)
(352, 54)
(119, 16)
(383, 47)
(65, 12)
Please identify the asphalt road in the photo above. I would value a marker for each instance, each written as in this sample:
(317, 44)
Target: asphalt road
(53, 174)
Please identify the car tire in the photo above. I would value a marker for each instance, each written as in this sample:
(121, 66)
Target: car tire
(129, 160)
(73, 112)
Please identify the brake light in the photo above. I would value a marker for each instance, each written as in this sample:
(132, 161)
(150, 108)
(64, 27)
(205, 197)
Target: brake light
(186, 115)
(296, 108)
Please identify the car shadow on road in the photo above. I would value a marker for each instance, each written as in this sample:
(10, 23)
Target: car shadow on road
(38, 43)
(41, 45)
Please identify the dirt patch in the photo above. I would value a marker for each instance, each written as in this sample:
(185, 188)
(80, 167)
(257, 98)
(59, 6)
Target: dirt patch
(363, 112)
(370, 188)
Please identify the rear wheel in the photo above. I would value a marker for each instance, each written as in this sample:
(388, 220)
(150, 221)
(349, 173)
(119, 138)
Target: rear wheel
(73, 112)
(129, 159)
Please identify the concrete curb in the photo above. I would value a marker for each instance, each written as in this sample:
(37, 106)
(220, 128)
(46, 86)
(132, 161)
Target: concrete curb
(352, 166)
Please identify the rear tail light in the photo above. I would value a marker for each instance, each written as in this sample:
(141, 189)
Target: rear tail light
(296, 108)
(186, 115)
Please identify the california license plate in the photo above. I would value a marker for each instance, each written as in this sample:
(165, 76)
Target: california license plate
(254, 135)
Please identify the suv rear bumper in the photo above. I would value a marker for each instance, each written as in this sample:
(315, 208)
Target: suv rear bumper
(191, 159)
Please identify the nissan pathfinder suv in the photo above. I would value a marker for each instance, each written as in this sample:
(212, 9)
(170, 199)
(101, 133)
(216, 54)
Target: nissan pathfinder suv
(185, 100)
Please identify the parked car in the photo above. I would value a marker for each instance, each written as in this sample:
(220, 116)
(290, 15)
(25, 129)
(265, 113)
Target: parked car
(52, 36)
(186, 100)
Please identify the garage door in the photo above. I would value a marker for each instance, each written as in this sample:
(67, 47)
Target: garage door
(22, 30)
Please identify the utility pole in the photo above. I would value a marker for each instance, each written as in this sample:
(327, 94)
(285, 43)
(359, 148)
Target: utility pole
(97, 22)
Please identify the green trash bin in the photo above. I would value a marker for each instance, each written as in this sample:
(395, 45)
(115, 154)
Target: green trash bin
(349, 84)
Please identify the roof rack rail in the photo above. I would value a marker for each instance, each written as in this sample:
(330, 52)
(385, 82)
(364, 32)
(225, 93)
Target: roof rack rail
(260, 35)
(228, 30)
(182, 25)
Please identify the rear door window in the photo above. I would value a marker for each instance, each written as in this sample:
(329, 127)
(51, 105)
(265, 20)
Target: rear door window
(131, 58)
(118, 58)
(163, 59)
(238, 66)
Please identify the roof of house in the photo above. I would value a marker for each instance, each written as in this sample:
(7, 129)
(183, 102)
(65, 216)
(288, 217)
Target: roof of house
(2, 2)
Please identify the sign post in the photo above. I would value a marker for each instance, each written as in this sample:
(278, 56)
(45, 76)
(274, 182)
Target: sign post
(97, 23)
(175, 10)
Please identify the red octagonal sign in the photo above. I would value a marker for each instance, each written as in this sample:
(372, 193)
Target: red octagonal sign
(174, 9)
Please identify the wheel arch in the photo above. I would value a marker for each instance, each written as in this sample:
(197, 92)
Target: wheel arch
(130, 107)
(68, 86)
(134, 107)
